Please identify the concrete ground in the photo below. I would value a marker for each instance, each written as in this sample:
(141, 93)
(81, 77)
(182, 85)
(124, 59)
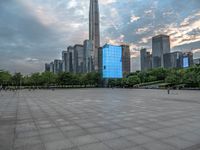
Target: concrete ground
(100, 119)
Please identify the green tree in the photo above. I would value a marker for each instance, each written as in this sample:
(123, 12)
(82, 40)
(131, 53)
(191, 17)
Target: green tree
(36, 79)
(48, 78)
(133, 80)
(5, 78)
(17, 79)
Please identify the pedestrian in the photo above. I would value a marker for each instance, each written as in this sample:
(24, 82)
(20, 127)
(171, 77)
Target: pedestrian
(168, 90)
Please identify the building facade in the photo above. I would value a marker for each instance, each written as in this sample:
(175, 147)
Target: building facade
(79, 58)
(52, 67)
(187, 59)
(126, 59)
(111, 61)
(47, 67)
(173, 60)
(146, 60)
(160, 46)
(71, 59)
(57, 66)
(94, 29)
(65, 59)
(197, 61)
(88, 56)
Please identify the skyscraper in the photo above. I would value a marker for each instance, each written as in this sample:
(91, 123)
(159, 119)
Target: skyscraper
(111, 61)
(47, 67)
(79, 58)
(146, 60)
(57, 66)
(126, 59)
(173, 60)
(160, 46)
(94, 29)
(65, 59)
(88, 56)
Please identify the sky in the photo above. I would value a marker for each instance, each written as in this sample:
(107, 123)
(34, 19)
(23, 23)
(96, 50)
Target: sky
(34, 32)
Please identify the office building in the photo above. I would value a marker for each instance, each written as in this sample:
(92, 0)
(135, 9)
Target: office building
(88, 56)
(52, 67)
(126, 59)
(94, 29)
(160, 46)
(197, 61)
(71, 60)
(173, 60)
(79, 58)
(146, 60)
(187, 59)
(111, 61)
(65, 59)
(57, 66)
(47, 67)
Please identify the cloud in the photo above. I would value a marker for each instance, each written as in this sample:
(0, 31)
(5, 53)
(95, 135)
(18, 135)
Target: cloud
(134, 18)
(106, 2)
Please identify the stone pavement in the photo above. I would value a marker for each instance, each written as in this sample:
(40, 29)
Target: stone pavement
(100, 119)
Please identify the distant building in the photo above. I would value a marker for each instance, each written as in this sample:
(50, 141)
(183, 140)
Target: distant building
(146, 60)
(79, 58)
(126, 59)
(100, 60)
(173, 60)
(187, 59)
(47, 67)
(196, 61)
(52, 67)
(71, 60)
(57, 66)
(65, 59)
(94, 30)
(111, 61)
(160, 46)
(88, 56)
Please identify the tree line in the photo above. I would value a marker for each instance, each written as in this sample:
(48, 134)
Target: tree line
(175, 77)
(47, 79)
(189, 77)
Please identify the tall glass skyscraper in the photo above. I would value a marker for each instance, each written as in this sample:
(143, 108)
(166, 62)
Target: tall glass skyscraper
(94, 29)
(112, 62)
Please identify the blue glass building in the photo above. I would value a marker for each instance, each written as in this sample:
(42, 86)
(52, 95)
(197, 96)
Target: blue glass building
(185, 62)
(112, 62)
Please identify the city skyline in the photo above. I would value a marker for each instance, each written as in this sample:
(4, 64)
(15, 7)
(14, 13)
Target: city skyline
(34, 32)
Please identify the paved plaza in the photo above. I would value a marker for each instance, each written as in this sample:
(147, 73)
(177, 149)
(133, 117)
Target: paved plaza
(100, 119)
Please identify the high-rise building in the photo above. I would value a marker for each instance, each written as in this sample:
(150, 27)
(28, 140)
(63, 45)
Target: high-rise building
(187, 59)
(65, 59)
(52, 67)
(88, 56)
(94, 29)
(111, 63)
(71, 60)
(47, 67)
(126, 59)
(173, 60)
(146, 60)
(160, 46)
(57, 66)
(79, 58)
(196, 61)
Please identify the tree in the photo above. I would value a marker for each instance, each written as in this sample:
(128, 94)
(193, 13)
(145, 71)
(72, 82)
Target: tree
(133, 80)
(36, 79)
(48, 78)
(191, 79)
(5, 78)
(17, 79)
